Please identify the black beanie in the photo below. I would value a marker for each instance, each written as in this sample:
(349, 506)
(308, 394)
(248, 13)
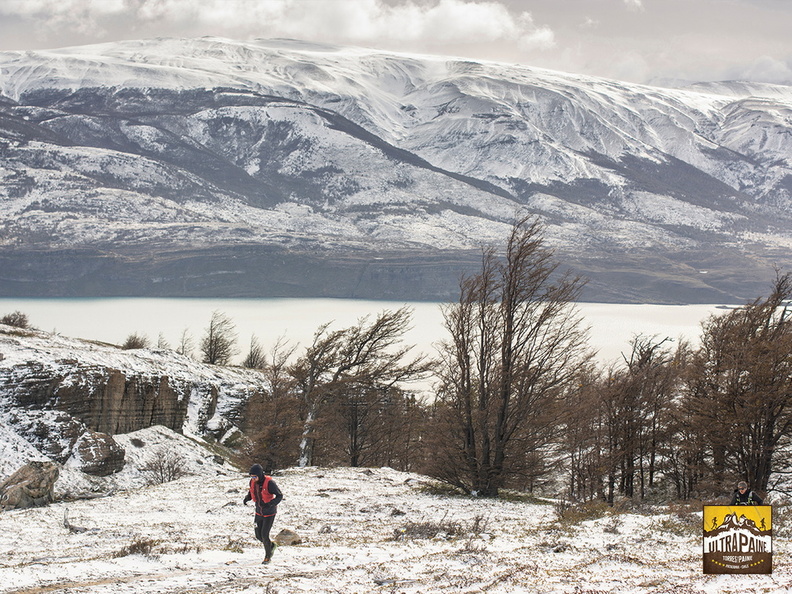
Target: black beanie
(257, 470)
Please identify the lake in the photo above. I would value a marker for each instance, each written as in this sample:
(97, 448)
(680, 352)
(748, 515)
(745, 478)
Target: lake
(113, 319)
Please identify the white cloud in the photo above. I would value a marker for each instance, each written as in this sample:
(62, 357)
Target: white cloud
(634, 4)
(80, 16)
(768, 69)
(430, 24)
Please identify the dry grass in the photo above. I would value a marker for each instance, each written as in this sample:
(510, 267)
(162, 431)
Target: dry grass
(445, 528)
(139, 546)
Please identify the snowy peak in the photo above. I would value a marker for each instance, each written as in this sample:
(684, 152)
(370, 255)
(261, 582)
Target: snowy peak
(296, 147)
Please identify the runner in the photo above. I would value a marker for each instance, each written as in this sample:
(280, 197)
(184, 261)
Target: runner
(742, 496)
(266, 495)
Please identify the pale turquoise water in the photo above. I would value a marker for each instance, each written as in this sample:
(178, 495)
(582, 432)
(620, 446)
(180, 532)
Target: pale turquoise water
(112, 320)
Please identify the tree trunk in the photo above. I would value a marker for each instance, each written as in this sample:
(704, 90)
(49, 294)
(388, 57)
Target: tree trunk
(306, 443)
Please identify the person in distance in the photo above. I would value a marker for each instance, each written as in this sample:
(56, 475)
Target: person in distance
(264, 492)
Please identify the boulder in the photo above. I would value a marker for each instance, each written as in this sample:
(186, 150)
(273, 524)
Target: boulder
(287, 537)
(97, 454)
(30, 486)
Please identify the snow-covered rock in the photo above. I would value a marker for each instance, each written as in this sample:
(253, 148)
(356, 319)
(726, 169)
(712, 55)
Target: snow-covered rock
(97, 454)
(31, 485)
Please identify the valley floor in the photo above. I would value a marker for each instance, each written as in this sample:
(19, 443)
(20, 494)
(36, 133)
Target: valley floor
(363, 531)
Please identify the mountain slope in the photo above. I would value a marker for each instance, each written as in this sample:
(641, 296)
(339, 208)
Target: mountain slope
(281, 168)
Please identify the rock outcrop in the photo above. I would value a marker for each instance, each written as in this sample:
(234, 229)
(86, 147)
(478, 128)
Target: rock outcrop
(104, 398)
(68, 397)
(97, 454)
(30, 486)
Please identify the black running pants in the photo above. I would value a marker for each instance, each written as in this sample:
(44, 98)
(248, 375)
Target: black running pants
(263, 527)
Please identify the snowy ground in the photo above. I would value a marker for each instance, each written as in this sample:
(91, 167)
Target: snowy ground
(193, 535)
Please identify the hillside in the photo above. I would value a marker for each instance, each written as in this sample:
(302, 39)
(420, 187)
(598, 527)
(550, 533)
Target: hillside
(209, 167)
(362, 530)
(65, 400)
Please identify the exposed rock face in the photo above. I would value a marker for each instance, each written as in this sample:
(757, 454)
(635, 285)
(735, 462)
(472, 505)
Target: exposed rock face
(52, 432)
(113, 401)
(30, 486)
(64, 405)
(98, 454)
(67, 397)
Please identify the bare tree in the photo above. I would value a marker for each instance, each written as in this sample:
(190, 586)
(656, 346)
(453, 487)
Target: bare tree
(342, 362)
(583, 435)
(686, 455)
(218, 345)
(635, 409)
(186, 345)
(516, 342)
(740, 390)
(162, 342)
(255, 359)
(273, 417)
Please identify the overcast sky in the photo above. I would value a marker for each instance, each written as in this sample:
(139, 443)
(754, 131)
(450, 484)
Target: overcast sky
(633, 40)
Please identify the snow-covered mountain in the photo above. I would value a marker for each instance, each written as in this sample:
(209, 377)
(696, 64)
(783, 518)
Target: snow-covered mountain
(283, 168)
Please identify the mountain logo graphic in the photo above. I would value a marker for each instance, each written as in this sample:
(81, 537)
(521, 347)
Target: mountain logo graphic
(737, 539)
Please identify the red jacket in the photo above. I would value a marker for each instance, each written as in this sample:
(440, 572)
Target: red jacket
(266, 498)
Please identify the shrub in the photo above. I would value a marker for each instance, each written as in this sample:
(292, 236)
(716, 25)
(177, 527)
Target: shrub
(16, 319)
(139, 546)
(569, 513)
(445, 528)
(135, 341)
(234, 546)
(164, 466)
(681, 525)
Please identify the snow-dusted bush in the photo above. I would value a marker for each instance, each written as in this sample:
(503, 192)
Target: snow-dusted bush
(16, 319)
(164, 466)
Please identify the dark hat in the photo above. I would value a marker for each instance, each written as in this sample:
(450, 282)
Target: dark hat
(257, 470)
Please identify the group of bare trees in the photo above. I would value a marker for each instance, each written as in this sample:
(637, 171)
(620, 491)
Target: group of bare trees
(519, 401)
(740, 389)
(343, 400)
(217, 346)
(700, 419)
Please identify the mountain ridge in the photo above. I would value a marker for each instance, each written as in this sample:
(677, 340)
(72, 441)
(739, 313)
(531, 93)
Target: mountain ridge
(155, 154)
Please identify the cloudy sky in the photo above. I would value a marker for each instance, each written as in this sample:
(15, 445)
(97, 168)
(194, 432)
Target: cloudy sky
(633, 40)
